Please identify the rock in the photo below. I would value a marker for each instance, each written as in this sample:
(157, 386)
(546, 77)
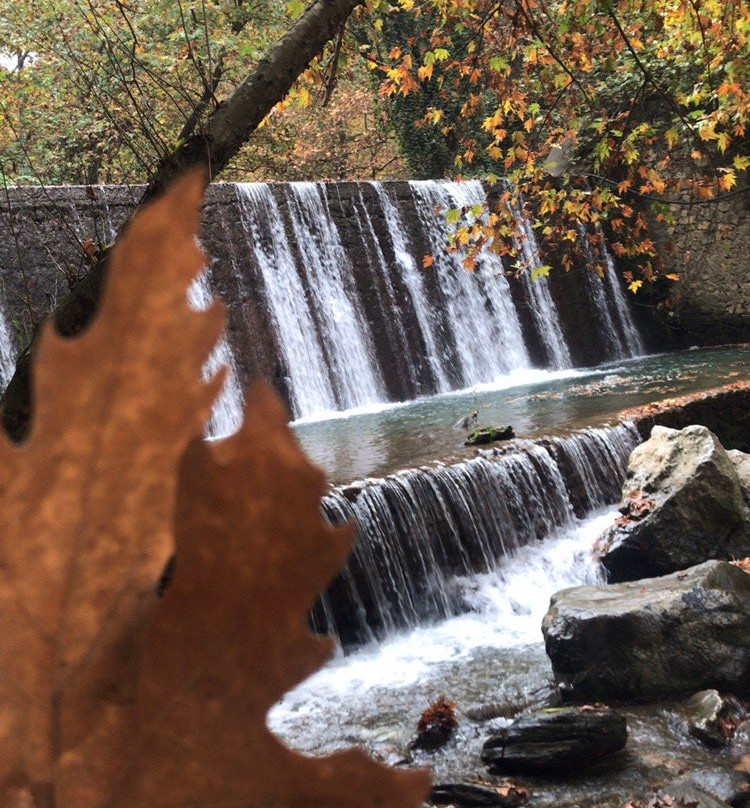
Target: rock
(709, 787)
(486, 712)
(489, 434)
(741, 462)
(431, 738)
(555, 741)
(704, 715)
(741, 739)
(644, 640)
(471, 796)
(713, 719)
(682, 503)
(467, 422)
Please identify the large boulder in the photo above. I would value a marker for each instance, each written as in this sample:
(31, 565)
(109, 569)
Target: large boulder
(645, 640)
(682, 503)
(556, 740)
(741, 461)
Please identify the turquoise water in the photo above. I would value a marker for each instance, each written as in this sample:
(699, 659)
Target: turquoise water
(373, 443)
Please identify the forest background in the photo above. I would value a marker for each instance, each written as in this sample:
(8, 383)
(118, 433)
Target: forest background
(580, 111)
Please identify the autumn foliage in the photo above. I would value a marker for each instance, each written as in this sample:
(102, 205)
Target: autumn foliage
(594, 112)
(110, 695)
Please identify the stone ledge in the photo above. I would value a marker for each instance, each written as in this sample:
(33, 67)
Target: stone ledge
(724, 410)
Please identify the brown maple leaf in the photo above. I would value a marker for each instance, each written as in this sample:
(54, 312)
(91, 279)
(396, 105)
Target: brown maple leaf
(88, 499)
(253, 552)
(110, 696)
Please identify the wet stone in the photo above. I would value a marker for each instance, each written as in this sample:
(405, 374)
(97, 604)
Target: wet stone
(712, 718)
(465, 795)
(555, 741)
(489, 434)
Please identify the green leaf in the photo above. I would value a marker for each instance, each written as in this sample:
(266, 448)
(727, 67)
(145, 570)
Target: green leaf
(498, 64)
(295, 8)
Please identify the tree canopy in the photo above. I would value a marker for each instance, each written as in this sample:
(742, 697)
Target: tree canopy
(587, 108)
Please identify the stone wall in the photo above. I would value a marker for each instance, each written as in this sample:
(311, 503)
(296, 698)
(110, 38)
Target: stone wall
(724, 410)
(709, 246)
(45, 232)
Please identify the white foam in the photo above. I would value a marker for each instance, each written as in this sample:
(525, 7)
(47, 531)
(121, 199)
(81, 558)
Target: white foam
(508, 607)
(523, 377)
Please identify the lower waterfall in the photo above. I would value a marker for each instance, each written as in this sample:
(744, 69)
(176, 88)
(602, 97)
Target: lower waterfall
(420, 529)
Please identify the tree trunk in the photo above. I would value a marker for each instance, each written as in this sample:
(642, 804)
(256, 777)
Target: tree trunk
(222, 136)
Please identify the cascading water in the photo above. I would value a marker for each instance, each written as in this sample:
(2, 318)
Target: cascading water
(618, 328)
(226, 416)
(329, 297)
(478, 307)
(632, 342)
(309, 382)
(425, 315)
(386, 293)
(330, 286)
(419, 529)
(543, 309)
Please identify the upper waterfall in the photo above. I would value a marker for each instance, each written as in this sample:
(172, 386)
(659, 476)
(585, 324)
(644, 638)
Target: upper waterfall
(329, 296)
(358, 320)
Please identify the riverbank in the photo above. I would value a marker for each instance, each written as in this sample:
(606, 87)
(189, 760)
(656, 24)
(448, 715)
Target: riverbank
(490, 659)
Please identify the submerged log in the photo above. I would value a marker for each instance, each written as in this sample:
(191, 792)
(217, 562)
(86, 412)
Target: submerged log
(555, 741)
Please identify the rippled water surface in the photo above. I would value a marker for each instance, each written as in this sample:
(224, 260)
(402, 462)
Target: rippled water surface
(361, 444)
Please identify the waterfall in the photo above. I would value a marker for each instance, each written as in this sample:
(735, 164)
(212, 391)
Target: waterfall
(425, 315)
(331, 290)
(310, 386)
(618, 329)
(632, 342)
(383, 284)
(543, 309)
(419, 529)
(329, 297)
(226, 416)
(477, 307)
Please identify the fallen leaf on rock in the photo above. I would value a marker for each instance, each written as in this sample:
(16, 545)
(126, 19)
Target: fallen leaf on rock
(110, 696)
(514, 792)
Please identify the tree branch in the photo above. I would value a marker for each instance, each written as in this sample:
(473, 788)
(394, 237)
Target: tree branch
(236, 118)
(225, 132)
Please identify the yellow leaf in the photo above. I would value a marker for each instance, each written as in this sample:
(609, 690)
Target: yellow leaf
(723, 140)
(728, 181)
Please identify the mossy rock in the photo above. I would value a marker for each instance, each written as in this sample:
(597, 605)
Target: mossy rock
(489, 434)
